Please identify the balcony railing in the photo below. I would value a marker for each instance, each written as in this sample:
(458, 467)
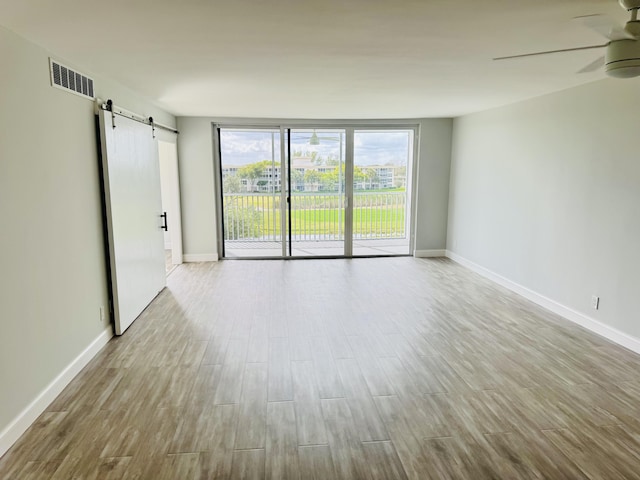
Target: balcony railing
(314, 216)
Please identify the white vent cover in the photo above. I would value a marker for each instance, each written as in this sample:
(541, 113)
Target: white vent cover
(68, 79)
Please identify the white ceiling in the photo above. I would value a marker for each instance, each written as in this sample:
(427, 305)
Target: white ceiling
(319, 59)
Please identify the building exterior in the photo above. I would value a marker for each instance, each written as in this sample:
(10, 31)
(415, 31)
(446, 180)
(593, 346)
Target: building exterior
(372, 177)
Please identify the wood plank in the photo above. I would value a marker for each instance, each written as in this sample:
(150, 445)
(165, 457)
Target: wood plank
(346, 449)
(216, 350)
(36, 471)
(251, 430)
(532, 456)
(340, 347)
(204, 388)
(365, 414)
(91, 387)
(382, 461)
(329, 382)
(230, 386)
(112, 468)
(206, 429)
(280, 386)
(184, 465)
(258, 349)
(457, 457)
(309, 419)
(377, 381)
(316, 462)
(282, 442)
(248, 464)
(601, 452)
(193, 353)
(407, 446)
(179, 386)
(301, 349)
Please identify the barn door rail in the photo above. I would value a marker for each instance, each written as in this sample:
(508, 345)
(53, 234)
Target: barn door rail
(109, 106)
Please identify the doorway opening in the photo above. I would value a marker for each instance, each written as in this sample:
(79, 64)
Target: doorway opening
(170, 193)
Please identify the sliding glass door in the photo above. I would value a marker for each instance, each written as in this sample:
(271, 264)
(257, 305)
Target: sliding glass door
(251, 170)
(315, 192)
(383, 161)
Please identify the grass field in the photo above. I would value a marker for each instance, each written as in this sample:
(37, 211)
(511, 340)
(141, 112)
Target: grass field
(320, 222)
(369, 222)
(375, 215)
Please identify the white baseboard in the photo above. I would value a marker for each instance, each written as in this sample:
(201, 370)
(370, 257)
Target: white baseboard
(429, 253)
(606, 331)
(19, 425)
(199, 257)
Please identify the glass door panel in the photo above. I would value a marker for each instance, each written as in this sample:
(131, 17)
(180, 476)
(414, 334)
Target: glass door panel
(252, 198)
(317, 195)
(381, 191)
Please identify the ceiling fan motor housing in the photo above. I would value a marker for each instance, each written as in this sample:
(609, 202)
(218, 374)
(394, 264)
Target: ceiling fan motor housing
(623, 56)
(630, 4)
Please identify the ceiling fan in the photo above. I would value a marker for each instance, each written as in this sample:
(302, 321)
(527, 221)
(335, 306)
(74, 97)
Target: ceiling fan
(622, 57)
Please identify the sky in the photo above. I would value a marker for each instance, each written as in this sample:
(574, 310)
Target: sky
(241, 147)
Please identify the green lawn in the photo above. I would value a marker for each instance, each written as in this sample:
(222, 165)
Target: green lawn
(366, 221)
(373, 222)
(375, 215)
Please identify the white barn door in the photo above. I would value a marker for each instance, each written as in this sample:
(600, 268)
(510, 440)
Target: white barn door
(133, 205)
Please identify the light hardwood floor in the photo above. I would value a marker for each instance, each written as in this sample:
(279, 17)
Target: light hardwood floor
(349, 369)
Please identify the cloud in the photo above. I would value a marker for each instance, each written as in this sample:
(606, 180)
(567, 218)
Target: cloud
(381, 147)
(371, 147)
(248, 146)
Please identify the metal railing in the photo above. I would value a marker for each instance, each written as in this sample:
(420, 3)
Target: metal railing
(315, 216)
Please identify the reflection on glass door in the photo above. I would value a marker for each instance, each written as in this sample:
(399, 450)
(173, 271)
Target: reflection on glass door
(317, 192)
(252, 196)
(381, 191)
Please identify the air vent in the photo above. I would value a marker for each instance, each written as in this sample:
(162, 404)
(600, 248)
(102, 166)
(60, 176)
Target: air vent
(70, 80)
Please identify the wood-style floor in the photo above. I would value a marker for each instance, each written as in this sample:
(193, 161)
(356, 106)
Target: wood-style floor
(342, 369)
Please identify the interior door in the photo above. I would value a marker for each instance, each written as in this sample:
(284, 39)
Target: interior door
(133, 204)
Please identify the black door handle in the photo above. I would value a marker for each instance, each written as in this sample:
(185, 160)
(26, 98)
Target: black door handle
(164, 226)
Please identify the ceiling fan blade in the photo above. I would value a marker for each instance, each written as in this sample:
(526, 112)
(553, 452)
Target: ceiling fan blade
(591, 47)
(605, 26)
(593, 66)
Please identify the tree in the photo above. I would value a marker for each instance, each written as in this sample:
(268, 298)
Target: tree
(329, 181)
(332, 161)
(297, 179)
(400, 177)
(231, 184)
(311, 177)
(372, 176)
(358, 176)
(316, 158)
(251, 173)
(241, 222)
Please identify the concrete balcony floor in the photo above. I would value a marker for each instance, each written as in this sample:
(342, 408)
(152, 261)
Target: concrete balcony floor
(316, 248)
